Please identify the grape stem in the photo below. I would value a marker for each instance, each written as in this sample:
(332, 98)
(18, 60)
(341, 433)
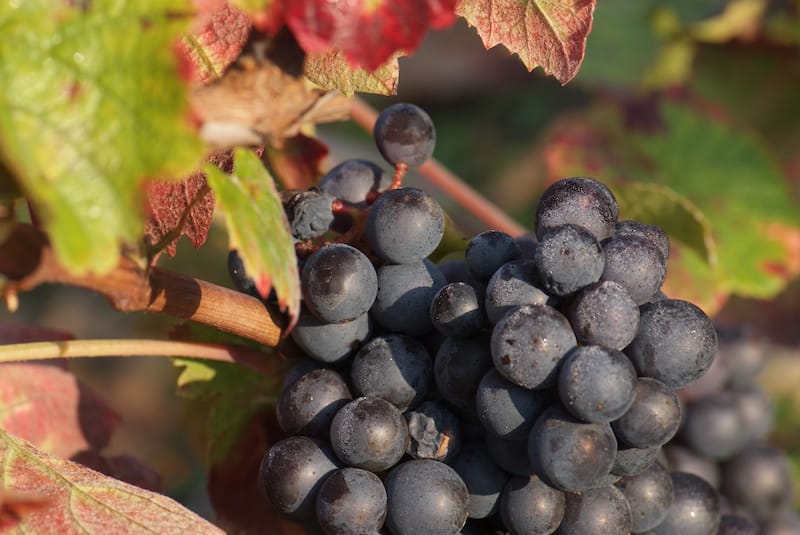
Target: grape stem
(445, 180)
(259, 361)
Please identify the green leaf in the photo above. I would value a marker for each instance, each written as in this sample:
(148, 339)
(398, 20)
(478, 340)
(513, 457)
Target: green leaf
(257, 227)
(91, 105)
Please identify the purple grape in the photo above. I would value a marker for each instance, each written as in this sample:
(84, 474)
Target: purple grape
(602, 511)
(330, 342)
(352, 182)
(350, 501)
(694, 509)
(636, 264)
(483, 478)
(487, 251)
(567, 259)
(307, 406)
(310, 213)
(604, 314)
(508, 410)
(513, 284)
(459, 366)
(652, 419)
(404, 133)
(649, 494)
(529, 506)
(653, 233)
(580, 201)
(457, 311)
(404, 296)
(759, 480)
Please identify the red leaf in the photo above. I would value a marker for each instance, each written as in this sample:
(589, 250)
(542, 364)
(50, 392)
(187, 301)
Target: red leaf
(297, 163)
(49, 407)
(51, 495)
(546, 34)
(368, 32)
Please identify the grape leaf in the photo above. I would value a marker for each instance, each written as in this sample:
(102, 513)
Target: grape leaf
(91, 105)
(297, 162)
(218, 36)
(367, 32)
(257, 228)
(49, 493)
(332, 71)
(546, 34)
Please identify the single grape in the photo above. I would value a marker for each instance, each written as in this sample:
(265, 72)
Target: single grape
(713, 426)
(528, 344)
(369, 433)
(506, 409)
(530, 507)
(581, 201)
(756, 410)
(694, 509)
(405, 293)
(351, 501)
(568, 454)
(292, 472)
(310, 213)
(635, 263)
(603, 314)
(653, 233)
(682, 459)
(742, 353)
(489, 250)
(394, 367)
(427, 497)
(513, 284)
(652, 419)
(307, 406)
(353, 181)
(404, 133)
(649, 494)
(405, 225)
(567, 258)
(339, 283)
(483, 478)
(603, 511)
(435, 432)
(457, 311)
(243, 282)
(330, 342)
(759, 480)
(596, 384)
(676, 342)
(459, 366)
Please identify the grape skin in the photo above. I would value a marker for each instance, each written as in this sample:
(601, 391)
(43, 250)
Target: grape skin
(330, 342)
(352, 181)
(514, 284)
(635, 263)
(568, 258)
(530, 507)
(489, 250)
(351, 501)
(603, 511)
(603, 314)
(508, 410)
(404, 134)
(581, 201)
(404, 296)
(458, 368)
(456, 310)
(649, 494)
(307, 406)
(484, 479)
(694, 509)
(652, 419)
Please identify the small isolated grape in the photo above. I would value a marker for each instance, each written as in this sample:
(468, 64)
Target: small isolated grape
(404, 134)
(351, 501)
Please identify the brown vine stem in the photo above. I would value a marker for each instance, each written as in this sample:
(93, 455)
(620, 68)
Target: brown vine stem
(365, 115)
(254, 359)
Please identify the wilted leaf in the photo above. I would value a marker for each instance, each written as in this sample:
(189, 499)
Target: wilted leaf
(215, 41)
(332, 71)
(70, 498)
(258, 229)
(297, 162)
(368, 33)
(550, 35)
(49, 407)
(91, 105)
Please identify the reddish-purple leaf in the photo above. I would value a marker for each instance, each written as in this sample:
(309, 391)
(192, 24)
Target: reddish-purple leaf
(45, 494)
(215, 41)
(296, 164)
(546, 34)
(179, 209)
(368, 32)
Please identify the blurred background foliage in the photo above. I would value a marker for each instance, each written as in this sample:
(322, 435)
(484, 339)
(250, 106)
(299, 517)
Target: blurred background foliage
(691, 104)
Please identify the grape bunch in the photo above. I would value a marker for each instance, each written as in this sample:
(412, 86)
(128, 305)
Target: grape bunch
(530, 388)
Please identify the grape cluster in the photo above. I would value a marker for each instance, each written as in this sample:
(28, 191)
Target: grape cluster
(529, 388)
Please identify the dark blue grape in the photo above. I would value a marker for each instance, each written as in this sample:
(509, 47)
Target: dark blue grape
(714, 426)
(743, 354)
(756, 410)
(310, 213)
(652, 419)
(435, 432)
(338, 283)
(330, 342)
(682, 459)
(694, 509)
(405, 293)
(653, 233)
(649, 494)
(731, 524)
(404, 133)
(292, 472)
(581, 201)
(676, 342)
(508, 410)
(596, 384)
(427, 497)
(567, 258)
(483, 478)
(636, 264)
(353, 181)
(459, 366)
(394, 367)
(351, 501)
(604, 314)
(528, 344)
(530, 507)
(307, 406)
(758, 480)
(369, 433)
(488, 251)
(405, 225)
(513, 284)
(568, 454)
(241, 280)
(457, 311)
(299, 368)
(602, 511)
